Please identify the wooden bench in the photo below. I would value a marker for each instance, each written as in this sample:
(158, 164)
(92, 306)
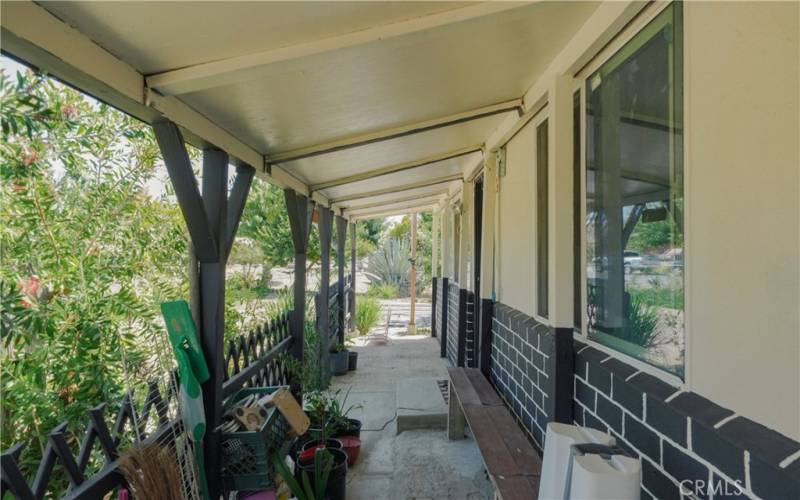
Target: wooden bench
(512, 463)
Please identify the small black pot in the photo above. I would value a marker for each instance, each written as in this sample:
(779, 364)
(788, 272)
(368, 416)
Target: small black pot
(336, 488)
(338, 362)
(352, 360)
(353, 428)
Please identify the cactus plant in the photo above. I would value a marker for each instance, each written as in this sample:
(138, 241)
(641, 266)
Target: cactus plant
(391, 264)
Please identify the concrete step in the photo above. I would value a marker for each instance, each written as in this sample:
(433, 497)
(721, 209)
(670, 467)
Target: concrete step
(420, 405)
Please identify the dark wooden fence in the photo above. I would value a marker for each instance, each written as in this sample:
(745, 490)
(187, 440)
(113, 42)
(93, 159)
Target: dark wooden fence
(252, 359)
(255, 359)
(337, 322)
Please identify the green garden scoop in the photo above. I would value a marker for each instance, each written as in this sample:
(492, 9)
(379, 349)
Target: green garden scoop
(192, 371)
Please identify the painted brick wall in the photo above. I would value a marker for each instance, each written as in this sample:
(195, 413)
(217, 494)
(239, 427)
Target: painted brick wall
(681, 435)
(437, 312)
(453, 310)
(470, 345)
(523, 367)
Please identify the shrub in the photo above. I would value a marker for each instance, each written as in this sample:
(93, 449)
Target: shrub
(382, 291)
(390, 265)
(89, 253)
(642, 323)
(368, 311)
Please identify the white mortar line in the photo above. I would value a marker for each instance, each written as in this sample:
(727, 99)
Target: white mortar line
(648, 491)
(744, 487)
(725, 421)
(788, 460)
(747, 470)
(644, 407)
(674, 395)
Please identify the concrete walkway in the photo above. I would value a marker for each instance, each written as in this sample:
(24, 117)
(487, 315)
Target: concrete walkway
(417, 464)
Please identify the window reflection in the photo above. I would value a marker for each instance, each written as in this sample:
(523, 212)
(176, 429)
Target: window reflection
(634, 197)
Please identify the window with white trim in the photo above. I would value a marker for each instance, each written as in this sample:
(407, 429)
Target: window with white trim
(634, 197)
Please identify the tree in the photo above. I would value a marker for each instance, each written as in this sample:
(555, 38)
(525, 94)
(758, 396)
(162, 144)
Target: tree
(370, 230)
(266, 222)
(402, 231)
(655, 236)
(88, 255)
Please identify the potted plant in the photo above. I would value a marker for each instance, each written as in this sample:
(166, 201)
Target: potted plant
(340, 424)
(319, 405)
(352, 360)
(339, 359)
(329, 419)
(334, 487)
(329, 451)
(323, 476)
(347, 430)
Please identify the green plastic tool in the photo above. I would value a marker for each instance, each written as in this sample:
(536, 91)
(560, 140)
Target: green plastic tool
(192, 371)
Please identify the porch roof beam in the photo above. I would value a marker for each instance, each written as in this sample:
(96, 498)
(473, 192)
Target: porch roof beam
(236, 202)
(399, 167)
(395, 132)
(397, 189)
(193, 207)
(388, 206)
(348, 208)
(396, 211)
(234, 69)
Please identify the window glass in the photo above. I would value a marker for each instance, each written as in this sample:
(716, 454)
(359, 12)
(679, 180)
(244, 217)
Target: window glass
(634, 197)
(541, 220)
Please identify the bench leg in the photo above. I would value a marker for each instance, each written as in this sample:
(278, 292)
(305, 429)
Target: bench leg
(455, 417)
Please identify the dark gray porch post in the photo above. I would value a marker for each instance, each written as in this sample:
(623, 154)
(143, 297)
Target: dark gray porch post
(297, 207)
(341, 235)
(353, 275)
(323, 309)
(212, 301)
(212, 220)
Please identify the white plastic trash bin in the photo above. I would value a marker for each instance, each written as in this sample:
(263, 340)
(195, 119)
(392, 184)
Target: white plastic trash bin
(570, 473)
(604, 475)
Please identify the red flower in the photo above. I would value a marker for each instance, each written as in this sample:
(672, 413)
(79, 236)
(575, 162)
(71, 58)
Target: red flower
(30, 288)
(68, 111)
(29, 156)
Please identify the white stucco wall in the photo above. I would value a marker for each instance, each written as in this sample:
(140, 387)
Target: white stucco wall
(516, 223)
(742, 165)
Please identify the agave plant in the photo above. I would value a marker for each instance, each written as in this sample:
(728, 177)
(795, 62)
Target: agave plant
(391, 264)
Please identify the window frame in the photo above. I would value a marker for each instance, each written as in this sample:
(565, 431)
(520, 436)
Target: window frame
(541, 116)
(542, 214)
(617, 43)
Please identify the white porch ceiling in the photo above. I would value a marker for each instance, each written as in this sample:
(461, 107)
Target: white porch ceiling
(287, 76)
(400, 80)
(422, 192)
(324, 168)
(160, 36)
(417, 175)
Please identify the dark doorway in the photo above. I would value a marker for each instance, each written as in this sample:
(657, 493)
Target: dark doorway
(478, 225)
